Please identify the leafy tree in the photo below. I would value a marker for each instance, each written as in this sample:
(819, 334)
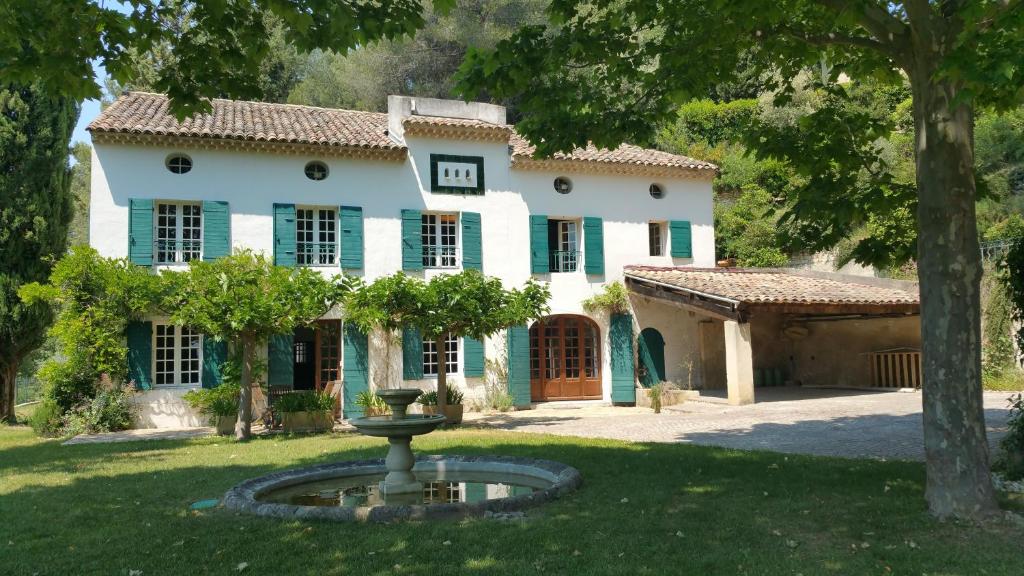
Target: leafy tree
(613, 69)
(243, 299)
(81, 191)
(35, 209)
(421, 65)
(448, 305)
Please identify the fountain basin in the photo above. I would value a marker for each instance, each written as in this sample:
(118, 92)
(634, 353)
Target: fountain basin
(541, 481)
(410, 425)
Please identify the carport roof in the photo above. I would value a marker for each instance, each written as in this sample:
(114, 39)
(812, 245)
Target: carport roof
(733, 292)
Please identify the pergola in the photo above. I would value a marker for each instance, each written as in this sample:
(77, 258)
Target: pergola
(738, 297)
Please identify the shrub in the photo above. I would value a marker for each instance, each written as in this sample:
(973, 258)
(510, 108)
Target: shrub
(371, 404)
(305, 401)
(215, 402)
(1011, 461)
(614, 300)
(45, 420)
(112, 409)
(66, 384)
(454, 397)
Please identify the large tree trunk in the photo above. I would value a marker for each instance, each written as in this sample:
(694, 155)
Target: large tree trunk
(8, 390)
(442, 373)
(949, 269)
(243, 426)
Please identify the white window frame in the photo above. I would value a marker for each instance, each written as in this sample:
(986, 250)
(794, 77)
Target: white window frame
(662, 236)
(430, 356)
(176, 348)
(568, 256)
(178, 253)
(329, 259)
(439, 257)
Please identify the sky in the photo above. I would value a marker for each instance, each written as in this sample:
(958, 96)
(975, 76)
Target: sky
(91, 108)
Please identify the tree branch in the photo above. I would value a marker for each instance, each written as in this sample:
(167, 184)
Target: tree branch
(887, 29)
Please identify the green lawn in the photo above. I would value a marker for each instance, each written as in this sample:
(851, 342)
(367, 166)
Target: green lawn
(109, 509)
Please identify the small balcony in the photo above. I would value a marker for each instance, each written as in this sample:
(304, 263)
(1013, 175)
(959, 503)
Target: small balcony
(171, 251)
(440, 257)
(565, 260)
(316, 253)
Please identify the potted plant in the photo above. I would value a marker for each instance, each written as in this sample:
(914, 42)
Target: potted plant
(371, 404)
(453, 406)
(219, 405)
(305, 411)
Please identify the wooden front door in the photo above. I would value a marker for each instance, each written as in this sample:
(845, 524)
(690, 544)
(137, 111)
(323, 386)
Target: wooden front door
(328, 356)
(565, 359)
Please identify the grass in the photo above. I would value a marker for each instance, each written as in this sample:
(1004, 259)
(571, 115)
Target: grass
(114, 508)
(1009, 380)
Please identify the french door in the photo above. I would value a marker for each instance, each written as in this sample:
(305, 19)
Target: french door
(565, 359)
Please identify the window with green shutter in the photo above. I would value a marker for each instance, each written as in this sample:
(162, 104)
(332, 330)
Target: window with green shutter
(140, 231)
(472, 251)
(354, 369)
(473, 359)
(281, 360)
(620, 338)
(351, 238)
(518, 351)
(681, 238)
(593, 245)
(540, 262)
(139, 336)
(284, 234)
(216, 230)
(412, 354)
(412, 240)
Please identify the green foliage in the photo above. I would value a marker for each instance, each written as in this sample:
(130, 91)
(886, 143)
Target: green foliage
(111, 409)
(454, 397)
(997, 352)
(372, 404)
(613, 300)
(305, 401)
(1010, 228)
(1011, 276)
(747, 229)
(35, 209)
(709, 122)
(81, 189)
(212, 48)
(1011, 461)
(215, 402)
(46, 418)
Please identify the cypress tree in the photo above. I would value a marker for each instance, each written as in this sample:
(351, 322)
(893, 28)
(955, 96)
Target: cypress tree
(35, 211)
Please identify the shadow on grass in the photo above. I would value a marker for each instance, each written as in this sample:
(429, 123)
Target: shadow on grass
(643, 509)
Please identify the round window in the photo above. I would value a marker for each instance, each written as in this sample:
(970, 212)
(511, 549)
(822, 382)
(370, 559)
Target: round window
(179, 163)
(657, 192)
(563, 185)
(316, 171)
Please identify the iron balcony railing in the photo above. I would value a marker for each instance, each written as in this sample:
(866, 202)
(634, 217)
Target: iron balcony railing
(440, 256)
(170, 251)
(316, 253)
(565, 260)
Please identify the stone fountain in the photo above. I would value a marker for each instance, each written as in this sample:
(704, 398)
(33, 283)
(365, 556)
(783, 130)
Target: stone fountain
(399, 427)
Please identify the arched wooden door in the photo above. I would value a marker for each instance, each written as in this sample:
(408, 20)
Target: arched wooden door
(651, 349)
(565, 359)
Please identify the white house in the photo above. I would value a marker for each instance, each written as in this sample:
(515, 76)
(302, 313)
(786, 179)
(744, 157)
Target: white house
(430, 187)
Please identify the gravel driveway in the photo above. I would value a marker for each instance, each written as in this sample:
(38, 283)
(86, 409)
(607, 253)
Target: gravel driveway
(856, 424)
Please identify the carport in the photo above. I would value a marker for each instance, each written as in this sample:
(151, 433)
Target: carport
(753, 328)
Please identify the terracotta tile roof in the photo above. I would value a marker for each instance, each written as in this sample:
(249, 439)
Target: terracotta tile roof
(522, 150)
(143, 113)
(770, 287)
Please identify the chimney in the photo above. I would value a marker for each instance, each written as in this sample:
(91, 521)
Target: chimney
(401, 107)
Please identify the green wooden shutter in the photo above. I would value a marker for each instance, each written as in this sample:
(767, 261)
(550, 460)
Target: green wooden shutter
(518, 350)
(472, 252)
(412, 354)
(682, 239)
(355, 369)
(621, 342)
(412, 240)
(284, 234)
(593, 245)
(351, 237)
(215, 353)
(140, 231)
(140, 354)
(476, 492)
(281, 360)
(540, 258)
(216, 230)
(473, 358)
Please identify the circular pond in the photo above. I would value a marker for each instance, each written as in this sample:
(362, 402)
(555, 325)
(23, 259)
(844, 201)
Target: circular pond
(453, 486)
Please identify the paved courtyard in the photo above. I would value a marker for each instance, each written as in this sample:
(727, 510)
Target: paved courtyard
(856, 424)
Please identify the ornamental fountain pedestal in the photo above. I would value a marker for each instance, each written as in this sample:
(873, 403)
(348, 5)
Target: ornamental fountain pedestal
(399, 427)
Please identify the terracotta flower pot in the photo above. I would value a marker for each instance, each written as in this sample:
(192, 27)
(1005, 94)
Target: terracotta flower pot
(453, 413)
(225, 425)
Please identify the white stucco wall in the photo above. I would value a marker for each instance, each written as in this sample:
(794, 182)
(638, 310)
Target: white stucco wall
(252, 182)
